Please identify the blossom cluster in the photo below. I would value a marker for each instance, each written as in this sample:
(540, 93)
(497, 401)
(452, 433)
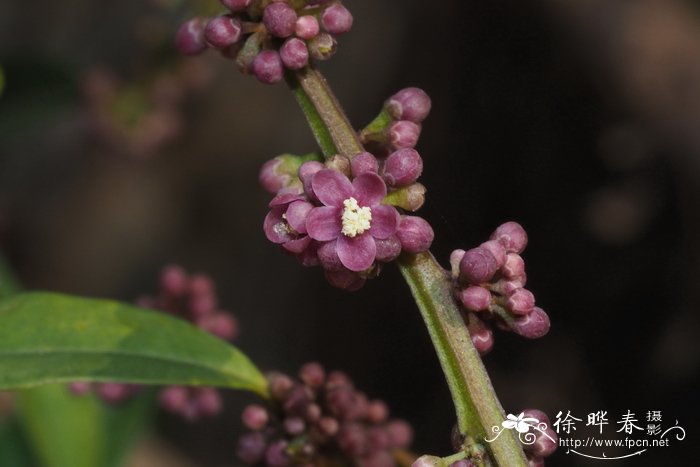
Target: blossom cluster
(346, 214)
(266, 37)
(192, 298)
(490, 285)
(320, 419)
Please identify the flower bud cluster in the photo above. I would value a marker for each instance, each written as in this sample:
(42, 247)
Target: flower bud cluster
(541, 440)
(318, 419)
(490, 284)
(344, 214)
(266, 37)
(192, 298)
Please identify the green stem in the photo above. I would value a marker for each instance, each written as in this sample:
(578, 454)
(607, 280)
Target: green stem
(477, 406)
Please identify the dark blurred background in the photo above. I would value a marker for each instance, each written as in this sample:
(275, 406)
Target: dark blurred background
(580, 119)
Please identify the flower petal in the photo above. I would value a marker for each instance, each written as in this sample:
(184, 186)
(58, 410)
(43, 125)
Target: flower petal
(331, 187)
(297, 213)
(522, 427)
(369, 189)
(297, 245)
(324, 223)
(357, 253)
(275, 227)
(285, 198)
(385, 221)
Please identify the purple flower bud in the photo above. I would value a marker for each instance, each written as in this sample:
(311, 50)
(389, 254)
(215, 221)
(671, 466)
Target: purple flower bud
(208, 401)
(377, 459)
(475, 298)
(280, 385)
(329, 426)
(497, 250)
(536, 414)
(377, 411)
(533, 325)
(294, 54)
(477, 266)
(306, 27)
(313, 374)
(114, 392)
(480, 333)
(174, 398)
(322, 47)
(521, 302)
(236, 5)
(313, 413)
(508, 286)
(222, 31)
(364, 162)
(512, 236)
(388, 249)
(271, 177)
(514, 266)
(403, 167)
(400, 433)
(462, 463)
(411, 104)
(535, 462)
(294, 425)
(280, 19)
(456, 258)
(220, 324)
(267, 65)
(415, 234)
(427, 461)
(298, 400)
(189, 39)
(404, 134)
(352, 439)
(545, 443)
(173, 280)
(251, 448)
(255, 417)
(276, 454)
(336, 19)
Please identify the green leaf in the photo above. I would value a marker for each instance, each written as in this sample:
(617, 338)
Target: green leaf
(50, 338)
(66, 431)
(14, 449)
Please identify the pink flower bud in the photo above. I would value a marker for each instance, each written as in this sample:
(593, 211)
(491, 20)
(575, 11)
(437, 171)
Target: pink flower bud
(477, 266)
(403, 167)
(280, 19)
(512, 236)
(336, 19)
(294, 54)
(411, 104)
(521, 302)
(267, 66)
(514, 266)
(189, 39)
(533, 325)
(475, 298)
(364, 162)
(415, 234)
(306, 27)
(497, 250)
(404, 134)
(222, 31)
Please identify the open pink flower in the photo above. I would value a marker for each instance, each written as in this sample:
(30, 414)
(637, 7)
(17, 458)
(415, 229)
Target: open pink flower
(352, 215)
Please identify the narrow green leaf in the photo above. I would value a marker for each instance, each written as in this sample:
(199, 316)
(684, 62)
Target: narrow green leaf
(49, 338)
(66, 431)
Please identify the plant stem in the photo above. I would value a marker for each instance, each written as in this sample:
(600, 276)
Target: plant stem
(476, 404)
